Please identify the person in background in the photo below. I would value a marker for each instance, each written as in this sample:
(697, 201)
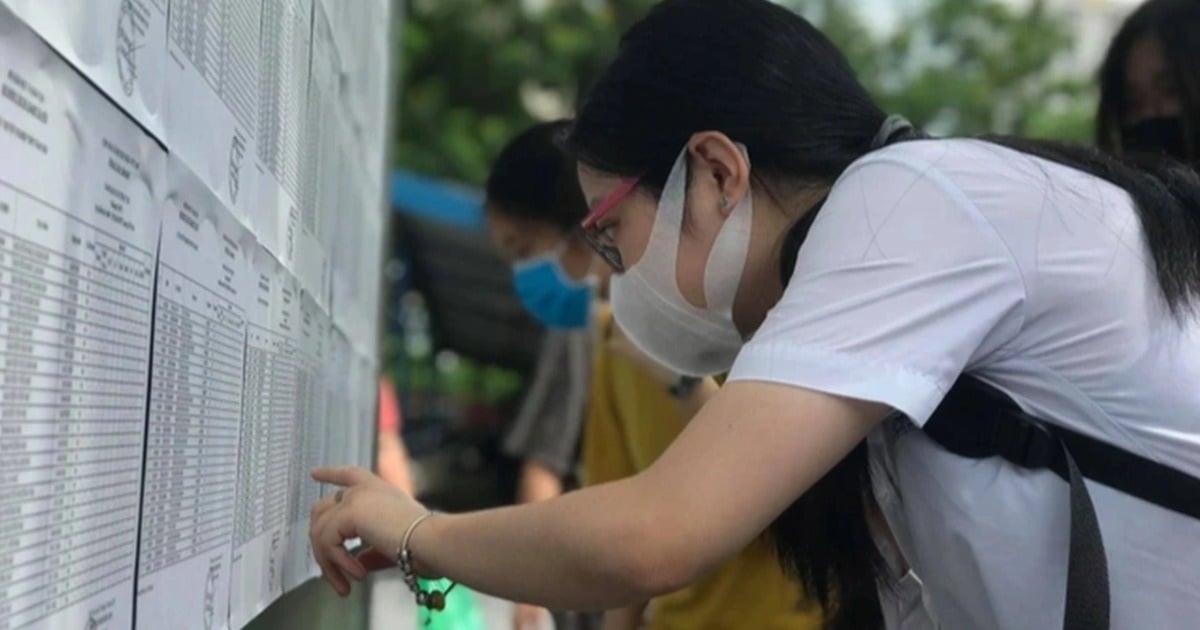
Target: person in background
(636, 406)
(393, 461)
(533, 207)
(1150, 83)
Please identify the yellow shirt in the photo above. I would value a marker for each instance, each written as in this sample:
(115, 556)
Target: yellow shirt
(631, 420)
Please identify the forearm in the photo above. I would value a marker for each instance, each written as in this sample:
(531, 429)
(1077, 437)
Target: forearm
(587, 550)
(537, 483)
(629, 618)
(735, 467)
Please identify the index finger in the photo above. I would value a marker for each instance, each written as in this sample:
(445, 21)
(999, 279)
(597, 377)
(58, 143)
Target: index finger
(341, 476)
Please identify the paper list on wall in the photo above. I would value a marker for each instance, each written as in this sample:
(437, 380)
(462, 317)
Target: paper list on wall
(77, 229)
(308, 437)
(348, 247)
(118, 44)
(211, 101)
(361, 44)
(340, 391)
(325, 132)
(363, 390)
(268, 409)
(195, 411)
(284, 117)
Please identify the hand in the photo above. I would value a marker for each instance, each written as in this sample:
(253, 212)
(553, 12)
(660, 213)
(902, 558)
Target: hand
(366, 507)
(529, 617)
(622, 345)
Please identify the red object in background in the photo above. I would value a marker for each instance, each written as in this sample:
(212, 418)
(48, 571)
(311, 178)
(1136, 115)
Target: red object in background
(390, 418)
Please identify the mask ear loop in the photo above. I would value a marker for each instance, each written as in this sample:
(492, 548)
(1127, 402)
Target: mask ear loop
(727, 258)
(660, 258)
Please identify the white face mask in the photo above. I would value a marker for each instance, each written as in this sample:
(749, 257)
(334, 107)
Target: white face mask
(649, 306)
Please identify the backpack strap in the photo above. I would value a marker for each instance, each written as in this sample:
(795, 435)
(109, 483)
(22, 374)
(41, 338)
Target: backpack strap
(977, 420)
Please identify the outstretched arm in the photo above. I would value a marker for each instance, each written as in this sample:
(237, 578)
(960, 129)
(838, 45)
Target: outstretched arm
(748, 454)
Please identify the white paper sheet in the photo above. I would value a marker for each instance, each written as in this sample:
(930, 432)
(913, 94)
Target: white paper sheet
(268, 411)
(78, 183)
(118, 44)
(309, 232)
(348, 235)
(361, 32)
(366, 380)
(285, 211)
(374, 226)
(210, 112)
(308, 438)
(340, 400)
(195, 410)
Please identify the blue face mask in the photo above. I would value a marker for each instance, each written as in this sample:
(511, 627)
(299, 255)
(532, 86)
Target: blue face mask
(550, 294)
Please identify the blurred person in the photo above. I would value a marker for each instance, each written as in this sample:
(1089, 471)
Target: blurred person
(1150, 82)
(931, 344)
(392, 456)
(638, 407)
(533, 207)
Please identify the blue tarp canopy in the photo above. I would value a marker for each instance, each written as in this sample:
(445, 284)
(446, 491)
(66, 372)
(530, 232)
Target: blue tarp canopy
(445, 202)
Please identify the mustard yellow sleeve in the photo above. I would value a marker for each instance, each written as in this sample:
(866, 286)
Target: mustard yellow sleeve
(605, 451)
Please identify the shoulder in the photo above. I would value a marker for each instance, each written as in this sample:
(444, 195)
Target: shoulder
(901, 283)
(944, 156)
(929, 200)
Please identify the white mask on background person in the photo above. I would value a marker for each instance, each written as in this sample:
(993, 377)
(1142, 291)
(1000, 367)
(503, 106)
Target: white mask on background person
(649, 306)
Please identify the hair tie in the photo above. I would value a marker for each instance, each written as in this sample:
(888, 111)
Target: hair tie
(891, 126)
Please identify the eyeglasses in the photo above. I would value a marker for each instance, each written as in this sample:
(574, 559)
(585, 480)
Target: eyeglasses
(599, 237)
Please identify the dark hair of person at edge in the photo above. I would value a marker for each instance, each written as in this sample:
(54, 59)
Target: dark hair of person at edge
(778, 86)
(1150, 82)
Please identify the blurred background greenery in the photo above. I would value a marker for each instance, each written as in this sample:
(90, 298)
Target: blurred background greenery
(475, 72)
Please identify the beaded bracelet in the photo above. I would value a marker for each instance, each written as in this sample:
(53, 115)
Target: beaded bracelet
(432, 599)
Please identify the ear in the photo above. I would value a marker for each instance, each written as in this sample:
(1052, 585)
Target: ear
(720, 162)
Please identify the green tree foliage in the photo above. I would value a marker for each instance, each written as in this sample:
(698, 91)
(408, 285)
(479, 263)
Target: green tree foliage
(475, 72)
(981, 66)
(472, 68)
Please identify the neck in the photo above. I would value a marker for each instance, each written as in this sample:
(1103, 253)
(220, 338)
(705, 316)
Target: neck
(762, 286)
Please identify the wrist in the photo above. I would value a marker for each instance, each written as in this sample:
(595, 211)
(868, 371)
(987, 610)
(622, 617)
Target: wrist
(419, 544)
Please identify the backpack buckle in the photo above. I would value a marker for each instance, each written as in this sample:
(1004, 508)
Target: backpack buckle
(1022, 440)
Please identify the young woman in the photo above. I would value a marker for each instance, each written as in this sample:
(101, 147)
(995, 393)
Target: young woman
(534, 207)
(1150, 82)
(725, 133)
(635, 408)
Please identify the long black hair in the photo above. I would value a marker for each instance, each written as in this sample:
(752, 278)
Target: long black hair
(533, 178)
(770, 80)
(1175, 25)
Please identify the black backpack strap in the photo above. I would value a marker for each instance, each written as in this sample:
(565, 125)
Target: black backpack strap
(977, 420)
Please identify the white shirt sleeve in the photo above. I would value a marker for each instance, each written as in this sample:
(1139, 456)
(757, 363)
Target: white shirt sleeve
(900, 286)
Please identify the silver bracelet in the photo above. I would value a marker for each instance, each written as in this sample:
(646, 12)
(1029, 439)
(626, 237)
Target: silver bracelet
(432, 599)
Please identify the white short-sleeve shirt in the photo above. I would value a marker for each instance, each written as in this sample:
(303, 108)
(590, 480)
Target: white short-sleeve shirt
(932, 258)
